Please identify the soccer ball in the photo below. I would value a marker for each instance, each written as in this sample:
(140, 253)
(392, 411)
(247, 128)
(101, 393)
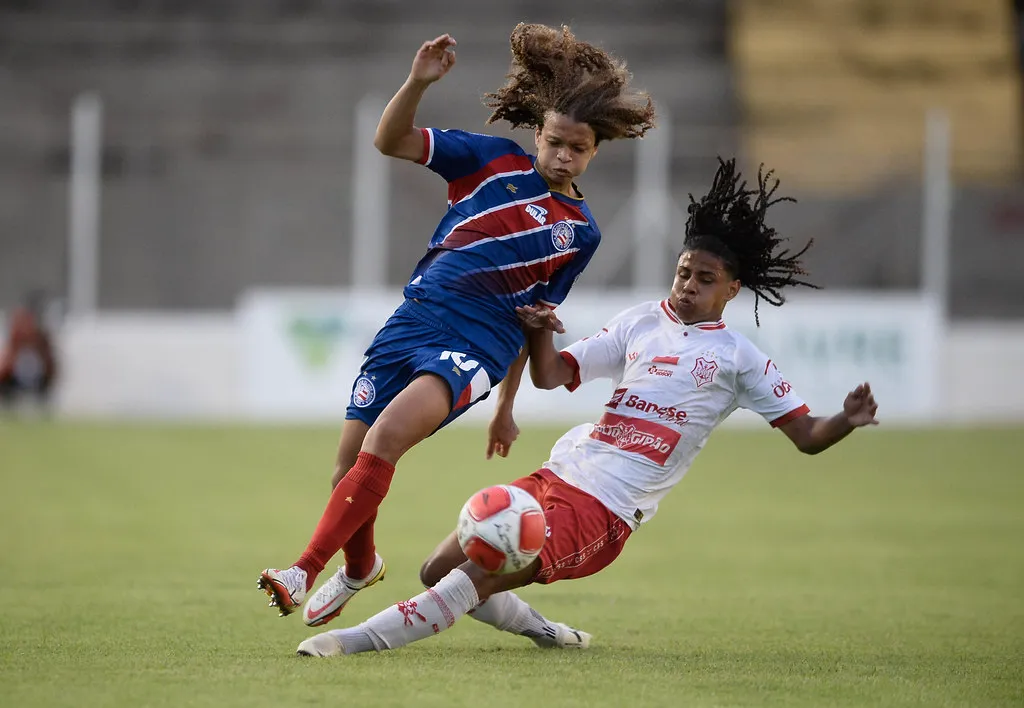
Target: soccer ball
(501, 529)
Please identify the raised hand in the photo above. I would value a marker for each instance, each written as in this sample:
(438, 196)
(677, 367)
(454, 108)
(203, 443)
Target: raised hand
(501, 433)
(434, 59)
(539, 318)
(860, 406)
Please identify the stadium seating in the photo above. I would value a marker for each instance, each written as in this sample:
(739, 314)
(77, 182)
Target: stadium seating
(228, 138)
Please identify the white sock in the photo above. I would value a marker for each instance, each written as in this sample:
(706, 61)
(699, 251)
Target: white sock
(423, 616)
(509, 613)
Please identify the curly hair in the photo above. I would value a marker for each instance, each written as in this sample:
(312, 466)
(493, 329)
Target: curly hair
(554, 71)
(729, 224)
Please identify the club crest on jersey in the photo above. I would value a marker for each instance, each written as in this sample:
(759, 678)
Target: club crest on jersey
(562, 235)
(363, 393)
(537, 212)
(704, 371)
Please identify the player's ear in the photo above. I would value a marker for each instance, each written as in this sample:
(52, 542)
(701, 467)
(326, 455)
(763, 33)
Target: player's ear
(536, 137)
(734, 289)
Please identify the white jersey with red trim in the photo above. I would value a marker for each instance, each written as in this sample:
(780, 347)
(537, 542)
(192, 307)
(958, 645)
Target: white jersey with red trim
(674, 384)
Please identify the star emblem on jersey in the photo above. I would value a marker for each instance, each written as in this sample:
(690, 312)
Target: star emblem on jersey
(562, 235)
(703, 371)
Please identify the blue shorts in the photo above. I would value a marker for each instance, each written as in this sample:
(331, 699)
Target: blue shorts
(414, 342)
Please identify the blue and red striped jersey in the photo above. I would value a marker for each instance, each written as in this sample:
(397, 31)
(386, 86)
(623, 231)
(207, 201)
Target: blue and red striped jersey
(506, 240)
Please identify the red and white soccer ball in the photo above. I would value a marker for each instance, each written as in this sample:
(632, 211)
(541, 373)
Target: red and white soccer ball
(501, 529)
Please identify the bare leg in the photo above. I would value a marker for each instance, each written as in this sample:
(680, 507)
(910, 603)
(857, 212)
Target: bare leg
(414, 414)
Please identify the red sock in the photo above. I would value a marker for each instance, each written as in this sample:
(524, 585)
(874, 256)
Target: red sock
(360, 551)
(353, 502)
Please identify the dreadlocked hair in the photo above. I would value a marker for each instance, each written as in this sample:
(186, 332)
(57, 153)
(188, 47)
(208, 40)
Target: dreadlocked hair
(728, 221)
(554, 71)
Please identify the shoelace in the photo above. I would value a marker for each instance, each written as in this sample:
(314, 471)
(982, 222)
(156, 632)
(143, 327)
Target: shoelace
(343, 579)
(293, 577)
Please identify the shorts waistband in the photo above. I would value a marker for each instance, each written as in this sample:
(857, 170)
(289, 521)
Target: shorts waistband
(423, 313)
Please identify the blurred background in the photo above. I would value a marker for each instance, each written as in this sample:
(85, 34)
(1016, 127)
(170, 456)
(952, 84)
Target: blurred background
(198, 241)
(194, 224)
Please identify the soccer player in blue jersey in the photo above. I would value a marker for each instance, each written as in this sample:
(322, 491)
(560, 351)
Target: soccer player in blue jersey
(517, 232)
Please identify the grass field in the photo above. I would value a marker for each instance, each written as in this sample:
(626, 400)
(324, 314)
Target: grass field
(889, 571)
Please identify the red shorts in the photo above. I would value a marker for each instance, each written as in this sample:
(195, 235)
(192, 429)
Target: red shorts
(583, 535)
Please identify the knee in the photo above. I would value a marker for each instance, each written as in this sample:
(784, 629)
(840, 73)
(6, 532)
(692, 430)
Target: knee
(388, 439)
(488, 584)
(432, 571)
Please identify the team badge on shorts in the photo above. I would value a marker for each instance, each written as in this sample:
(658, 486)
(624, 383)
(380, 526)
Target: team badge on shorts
(363, 393)
(562, 235)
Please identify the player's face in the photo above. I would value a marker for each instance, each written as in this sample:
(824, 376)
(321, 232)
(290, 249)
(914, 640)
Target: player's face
(702, 287)
(564, 149)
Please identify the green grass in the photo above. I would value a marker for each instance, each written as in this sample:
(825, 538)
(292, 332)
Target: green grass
(889, 572)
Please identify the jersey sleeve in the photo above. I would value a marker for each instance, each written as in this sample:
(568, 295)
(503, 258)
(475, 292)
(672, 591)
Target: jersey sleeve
(457, 153)
(602, 356)
(564, 278)
(763, 389)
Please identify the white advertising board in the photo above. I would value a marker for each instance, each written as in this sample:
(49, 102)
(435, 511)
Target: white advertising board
(303, 349)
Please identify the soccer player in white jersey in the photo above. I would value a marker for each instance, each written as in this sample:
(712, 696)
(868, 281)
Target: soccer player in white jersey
(679, 372)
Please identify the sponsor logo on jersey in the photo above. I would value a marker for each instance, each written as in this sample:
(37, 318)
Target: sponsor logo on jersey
(616, 398)
(511, 188)
(363, 393)
(642, 437)
(704, 370)
(669, 413)
(781, 388)
(657, 371)
(562, 235)
(537, 212)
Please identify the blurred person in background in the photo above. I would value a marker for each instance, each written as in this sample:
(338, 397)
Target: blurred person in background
(517, 232)
(28, 365)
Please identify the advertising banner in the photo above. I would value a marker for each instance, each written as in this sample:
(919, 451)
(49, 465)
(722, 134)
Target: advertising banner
(302, 350)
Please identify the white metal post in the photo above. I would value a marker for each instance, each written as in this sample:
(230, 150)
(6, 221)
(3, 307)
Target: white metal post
(371, 198)
(652, 204)
(937, 207)
(84, 204)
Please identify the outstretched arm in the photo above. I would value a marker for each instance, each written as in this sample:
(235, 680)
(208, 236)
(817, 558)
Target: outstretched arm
(812, 435)
(397, 135)
(503, 430)
(548, 369)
